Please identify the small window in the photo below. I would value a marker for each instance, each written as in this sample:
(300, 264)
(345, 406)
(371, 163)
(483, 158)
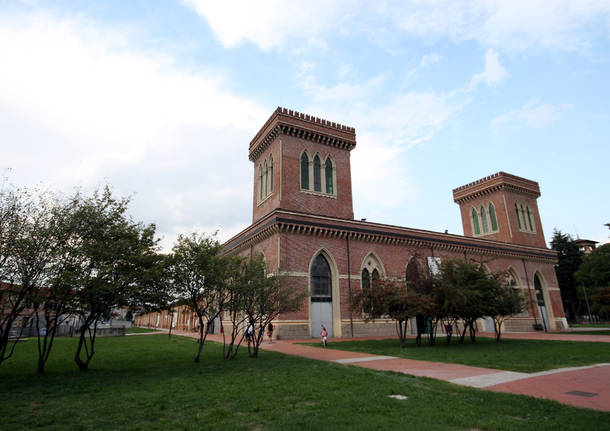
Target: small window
(475, 222)
(304, 171)
(484, 220)
(317, 174)
(518, 216)
(492, 217)
(328, 173)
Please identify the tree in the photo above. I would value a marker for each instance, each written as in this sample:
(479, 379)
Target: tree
(111, 251)
(504, 301)
(265, 298)
(389, 299)
(32, 255)
(594, 273)
(569, 259)
(196, 274)
(14, 206)
(471, 288)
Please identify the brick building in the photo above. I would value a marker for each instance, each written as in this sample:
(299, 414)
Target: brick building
(303, 224)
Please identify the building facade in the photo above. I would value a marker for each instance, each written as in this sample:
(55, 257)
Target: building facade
(303, 224)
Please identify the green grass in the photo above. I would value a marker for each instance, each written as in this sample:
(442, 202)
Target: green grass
(589, 332)
(138, 330)
(152, 383)
(591, 325)
(514, 355)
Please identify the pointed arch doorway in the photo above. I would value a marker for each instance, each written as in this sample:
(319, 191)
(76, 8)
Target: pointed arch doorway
(541, 302)
(321, 306)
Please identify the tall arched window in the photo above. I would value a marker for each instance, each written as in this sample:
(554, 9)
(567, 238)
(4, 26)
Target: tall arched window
(317, 174)
(538, 289)
(321, 285)
(265, 178)
(365, 279)
(411, 273)
(475, 222)
(492, 217)
(518, 217)
(523, 219)
(328, 174)
(304, 171)
(270, 180)
(260, 182)
(484, 220)
(529, 219)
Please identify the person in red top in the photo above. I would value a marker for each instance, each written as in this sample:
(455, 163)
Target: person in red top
(324, 336)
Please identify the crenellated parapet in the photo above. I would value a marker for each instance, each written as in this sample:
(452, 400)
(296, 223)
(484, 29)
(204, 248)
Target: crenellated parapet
(494, 183)
(304, 126)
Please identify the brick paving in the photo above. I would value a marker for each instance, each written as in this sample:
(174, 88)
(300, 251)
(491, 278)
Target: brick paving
(579, 386)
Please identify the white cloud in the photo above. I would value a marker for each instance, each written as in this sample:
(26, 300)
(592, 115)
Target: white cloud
(493, 73)
(532, 114)
(269, 23)
(429, 59)
(513, 25)
(80, 105)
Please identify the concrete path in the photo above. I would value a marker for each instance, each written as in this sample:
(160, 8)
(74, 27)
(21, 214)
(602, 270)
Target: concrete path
(587, 386)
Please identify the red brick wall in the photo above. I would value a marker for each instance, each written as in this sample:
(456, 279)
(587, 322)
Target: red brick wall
(506, 234)
(291, 197)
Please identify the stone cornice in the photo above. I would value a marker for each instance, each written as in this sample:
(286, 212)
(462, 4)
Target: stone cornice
(292, 123)
(281, 221)
(494, 183)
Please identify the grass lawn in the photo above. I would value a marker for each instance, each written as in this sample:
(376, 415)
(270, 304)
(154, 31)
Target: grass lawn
(151, 383)
(138, 330)
(601, 332)
(514, 355)
(591, 325)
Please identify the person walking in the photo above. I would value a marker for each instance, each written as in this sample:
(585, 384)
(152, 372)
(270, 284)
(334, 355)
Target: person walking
(324, 336)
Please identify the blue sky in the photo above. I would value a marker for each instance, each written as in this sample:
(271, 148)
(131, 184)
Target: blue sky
(160, 99)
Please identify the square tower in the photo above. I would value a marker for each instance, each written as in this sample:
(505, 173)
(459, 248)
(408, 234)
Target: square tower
(302, 163)
(501, 207)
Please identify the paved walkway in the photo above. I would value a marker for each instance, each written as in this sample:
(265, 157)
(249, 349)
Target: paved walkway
(587, 386)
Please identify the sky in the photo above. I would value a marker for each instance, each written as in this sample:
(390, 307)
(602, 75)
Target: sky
(160, 99)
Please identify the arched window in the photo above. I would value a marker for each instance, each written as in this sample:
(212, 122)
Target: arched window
(475, 222)
(365, 279)
(304, 171)
(523, 220)
(265, 179)
(320, 277)
(317, 174)
(411, 273)
(518, 217)
(538, 288)
(328, 174)
(374, 277)
(270, 180)
(484, 220)
(492, 217)
(529, 219)
(260, 182)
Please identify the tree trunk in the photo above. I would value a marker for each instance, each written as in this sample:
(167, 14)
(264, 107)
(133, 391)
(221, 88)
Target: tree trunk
(201, 338)
(82, 342)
